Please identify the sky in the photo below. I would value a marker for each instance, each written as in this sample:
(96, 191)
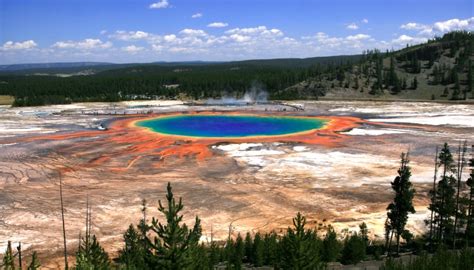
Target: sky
(124, 31)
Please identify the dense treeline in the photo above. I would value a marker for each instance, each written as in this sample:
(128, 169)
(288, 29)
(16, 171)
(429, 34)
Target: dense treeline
(164, 81)
(171, 244)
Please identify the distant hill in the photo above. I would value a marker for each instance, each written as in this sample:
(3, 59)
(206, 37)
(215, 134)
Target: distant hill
(61, 65)
(89, 68)
(440, 69)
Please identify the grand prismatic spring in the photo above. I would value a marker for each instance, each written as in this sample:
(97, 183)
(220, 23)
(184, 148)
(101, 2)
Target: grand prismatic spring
(249, 167)
(231, 126)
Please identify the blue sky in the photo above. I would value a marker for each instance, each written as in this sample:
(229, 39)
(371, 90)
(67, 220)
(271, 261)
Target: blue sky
(179, 30)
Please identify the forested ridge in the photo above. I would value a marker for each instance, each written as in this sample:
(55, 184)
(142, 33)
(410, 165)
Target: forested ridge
(169, 243)
(438, 69)
(151, 81)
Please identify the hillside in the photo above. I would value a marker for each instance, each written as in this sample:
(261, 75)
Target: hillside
(440, 69)
(437, 70)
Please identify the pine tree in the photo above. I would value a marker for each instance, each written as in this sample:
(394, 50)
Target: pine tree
(445, 92)
(414, 85)
(91, 255)
(470, 80)
(133, 254)
(378, 69)
(214, 254)
(8, 260)
(364, 233)
(173, 242)
(270, 255)
(402, 204)
(356, 83)
(456, 89)
(331, 246)
(229, 253)
(469, 85)
(35, 264)
(248, 244)
(258, 250)
(354, 249)
(444, 204)
(300, 248)
(239, 249)
(200, 259)
(435, 75)
(390, 77)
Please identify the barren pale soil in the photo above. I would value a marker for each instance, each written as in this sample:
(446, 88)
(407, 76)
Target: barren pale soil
(247, 186)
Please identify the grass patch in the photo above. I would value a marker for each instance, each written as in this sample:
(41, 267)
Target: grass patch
(6, 100)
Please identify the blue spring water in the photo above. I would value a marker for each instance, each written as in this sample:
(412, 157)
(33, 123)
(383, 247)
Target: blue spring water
(227, 126)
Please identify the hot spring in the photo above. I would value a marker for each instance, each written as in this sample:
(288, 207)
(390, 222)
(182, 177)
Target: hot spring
(231, 126)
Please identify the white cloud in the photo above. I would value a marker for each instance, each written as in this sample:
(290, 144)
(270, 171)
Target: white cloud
(86, 44)
(160, 4)
(218, 24)
(454, 24)
(25, 45)
(441, 27)
(197, 15)
(132, 49)
(322, 38)
(239, 38)
(413, 26)
(103, 32)
(352, 26)
(358, 37)
(169, 38)
(323, 44)
(365, 20)
(231, 44)
(405, 39)
(193, 32)
(157, 47)
(130, 35)
(259, 30)
(237, 43)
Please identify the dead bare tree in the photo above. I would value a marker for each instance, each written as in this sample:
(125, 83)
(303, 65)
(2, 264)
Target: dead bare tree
(62, 218)
(470, 209)
(434, 195)
(461, 162)
(19, 255)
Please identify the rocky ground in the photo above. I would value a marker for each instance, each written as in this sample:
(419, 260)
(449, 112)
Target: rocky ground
(245, 186)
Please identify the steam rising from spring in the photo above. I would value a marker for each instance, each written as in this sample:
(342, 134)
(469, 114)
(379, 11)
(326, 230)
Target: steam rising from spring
(252, 96)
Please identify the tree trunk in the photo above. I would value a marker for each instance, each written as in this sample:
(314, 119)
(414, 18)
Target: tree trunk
(19, 256)
(461, 156)
(441, 216)
(470, 204)
(390, 244)
(62, 218)
(433, 200)
(398, 244)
